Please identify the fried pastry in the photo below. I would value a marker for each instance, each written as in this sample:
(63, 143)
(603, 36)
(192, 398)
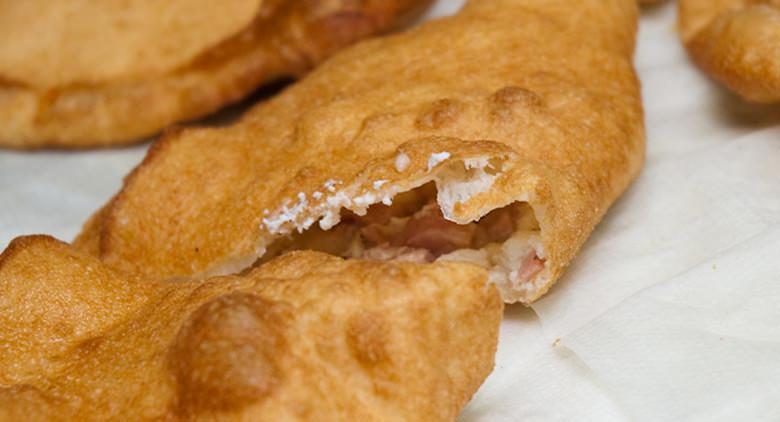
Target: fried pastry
(89, 72)
(499, 136)
(305, 337)
(737, 42)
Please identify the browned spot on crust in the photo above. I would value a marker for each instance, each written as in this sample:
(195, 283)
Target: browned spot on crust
(440, 114)
(366, 334)
(224, 356)
(511, 99)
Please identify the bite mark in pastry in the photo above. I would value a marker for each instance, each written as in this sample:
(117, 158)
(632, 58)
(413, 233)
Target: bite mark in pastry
(498, 136)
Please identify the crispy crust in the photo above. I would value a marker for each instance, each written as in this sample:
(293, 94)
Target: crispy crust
(737, 42)
(286, 39)
(546, 92)
(306, 337)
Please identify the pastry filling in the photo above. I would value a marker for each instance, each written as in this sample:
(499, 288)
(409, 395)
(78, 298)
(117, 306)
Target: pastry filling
(412, 228)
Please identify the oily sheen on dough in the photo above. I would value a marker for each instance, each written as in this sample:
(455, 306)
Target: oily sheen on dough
(307, 337)
(737, 42)
(508, 102)
(91, 72)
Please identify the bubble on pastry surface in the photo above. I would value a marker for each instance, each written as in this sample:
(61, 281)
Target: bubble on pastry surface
(513, 95)
(224, 355)
(508, 100)
(439, 114)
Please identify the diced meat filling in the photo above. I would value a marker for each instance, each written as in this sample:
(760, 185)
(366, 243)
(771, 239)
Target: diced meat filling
(427, 235)
(413, 229)
(426, 229)
(530, 266)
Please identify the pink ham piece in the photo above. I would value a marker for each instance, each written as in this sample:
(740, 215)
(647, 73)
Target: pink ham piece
(427, 229)
(530, 267)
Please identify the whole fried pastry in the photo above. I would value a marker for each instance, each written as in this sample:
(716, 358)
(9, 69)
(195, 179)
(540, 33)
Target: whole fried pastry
(305, 337)
(499, 136)
(91, 72)
(736, 42)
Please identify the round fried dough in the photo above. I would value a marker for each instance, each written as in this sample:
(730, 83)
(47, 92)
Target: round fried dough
(92, 73)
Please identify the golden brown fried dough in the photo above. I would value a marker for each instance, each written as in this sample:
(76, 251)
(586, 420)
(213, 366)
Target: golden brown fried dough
(89, 72)
(305, 337)
(509, 103)
(736, 42)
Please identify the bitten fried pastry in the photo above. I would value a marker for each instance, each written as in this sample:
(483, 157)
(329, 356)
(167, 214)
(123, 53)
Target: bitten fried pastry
(737, 42)
(305, 337)
(499, 136)
(90, 72)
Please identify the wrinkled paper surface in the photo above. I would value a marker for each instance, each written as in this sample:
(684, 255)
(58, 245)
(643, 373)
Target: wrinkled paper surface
(670, 312)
